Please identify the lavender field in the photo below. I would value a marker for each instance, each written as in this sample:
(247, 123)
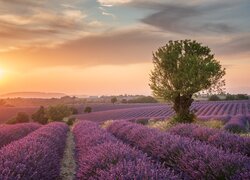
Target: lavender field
(229, 112)
(94, 148)
(124, 150)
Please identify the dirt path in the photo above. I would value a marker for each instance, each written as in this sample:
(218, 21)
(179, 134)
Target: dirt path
(68, 164)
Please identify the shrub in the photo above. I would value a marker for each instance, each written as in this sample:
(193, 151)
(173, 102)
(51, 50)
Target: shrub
(107, 123)
(217, 124)
(142, 121)
(40, 116)
(236, 124)
(215, 137)
(113, 100)
(36, 156)
(161, 125)
(235, 128)
(71, 121)
(14, 132)
(88, 109)
(101, 156)
(21, 117)
(74, 110)
(196, 159)
(214, 98)
(58, 112)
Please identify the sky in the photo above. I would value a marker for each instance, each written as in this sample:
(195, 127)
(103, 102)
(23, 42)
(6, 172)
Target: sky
(104, 47)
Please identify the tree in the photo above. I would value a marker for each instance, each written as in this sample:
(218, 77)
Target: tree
(113, 100)
(124, 101)
(74, 110)
(181, 69)
(21, 117)
(58, 112)
(214, 98)
(230, 97)
(40, 116)
(87, 109)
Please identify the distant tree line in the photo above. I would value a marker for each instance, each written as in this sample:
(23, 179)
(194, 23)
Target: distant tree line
(45, 115)
(143, 99)
(229, 97)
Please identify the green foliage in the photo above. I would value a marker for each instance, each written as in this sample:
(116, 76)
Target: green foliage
(181, 69)
(113, 100)
(142, 121)
(71, 121)
(236, 97)
(217, 124)
(242, 97)
(74, 110)
(230, 97)
(124, 101)
(21, 117)
(40, 116)
(107, 123)
(58, 112)
(143, 99)
(161, 125)
(183, 117)
(214, 98)
(88, 109)
(235, 128)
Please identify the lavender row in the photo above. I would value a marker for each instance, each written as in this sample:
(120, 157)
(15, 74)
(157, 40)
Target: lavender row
(9, 133)
(36, 156)
(198, 160)
(204, 110)
(218, 138)
(238, 124)
(101, 156)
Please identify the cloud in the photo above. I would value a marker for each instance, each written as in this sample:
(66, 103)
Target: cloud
(110, 3)
(31, 23)
(238, 44)
(108, 14)
(110, 48)
(24, 2)
(187, 18)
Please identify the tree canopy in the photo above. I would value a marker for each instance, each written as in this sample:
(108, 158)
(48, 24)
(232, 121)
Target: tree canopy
(181, 69)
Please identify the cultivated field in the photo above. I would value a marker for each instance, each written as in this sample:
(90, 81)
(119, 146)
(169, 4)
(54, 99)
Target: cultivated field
(124, 149)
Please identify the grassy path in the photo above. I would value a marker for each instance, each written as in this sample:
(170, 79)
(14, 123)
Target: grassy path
(68, 164)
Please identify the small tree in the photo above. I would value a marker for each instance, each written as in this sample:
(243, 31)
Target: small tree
(40, 116)
(113, 100)
(214, 98)
(87, 109)
(21, 117)
(181, 69)
(57, 113)
(74, 110)
(124, 101)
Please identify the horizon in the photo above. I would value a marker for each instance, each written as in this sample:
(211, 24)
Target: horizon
(104, 47)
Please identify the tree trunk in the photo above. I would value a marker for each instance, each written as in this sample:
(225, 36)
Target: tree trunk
(182, 108)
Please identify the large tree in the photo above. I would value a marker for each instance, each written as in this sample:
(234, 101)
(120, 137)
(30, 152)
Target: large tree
(181, 69)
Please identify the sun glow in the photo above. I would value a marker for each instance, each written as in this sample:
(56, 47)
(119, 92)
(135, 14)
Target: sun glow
(1, 73)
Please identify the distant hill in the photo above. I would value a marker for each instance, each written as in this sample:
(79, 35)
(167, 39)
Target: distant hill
(32, 95)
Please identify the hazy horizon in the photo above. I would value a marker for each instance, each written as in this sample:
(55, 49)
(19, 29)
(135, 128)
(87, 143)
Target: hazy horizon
(104, 47)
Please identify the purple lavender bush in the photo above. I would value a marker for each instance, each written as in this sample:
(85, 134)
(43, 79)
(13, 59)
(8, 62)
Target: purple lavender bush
(218, 138)
(237, 124)
(9, 133)
(198, 160)
(36, 156)
(101, 156)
